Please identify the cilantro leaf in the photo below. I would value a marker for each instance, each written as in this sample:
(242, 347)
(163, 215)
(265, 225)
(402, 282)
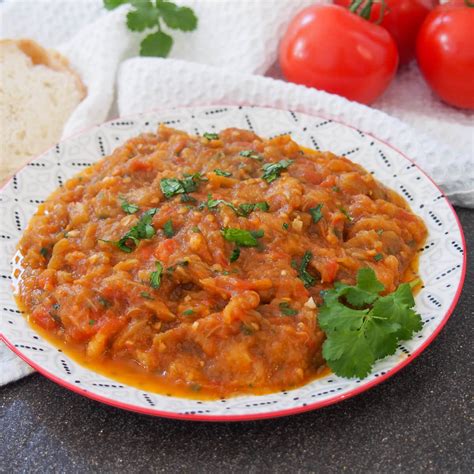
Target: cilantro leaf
(155, 277)
(157, 44)
(145, 16)
(128, 207)
(346, 213)
(235, 254)
(242, 237)
(168, 228)
(367, 330)
(211, 136)
(172, 186)
(286, 309)
(272, 171)
(303, 273)
(251, 154)
(316, 213)
(111, 4)
(177, 18)
(222, 173)
(262, 206)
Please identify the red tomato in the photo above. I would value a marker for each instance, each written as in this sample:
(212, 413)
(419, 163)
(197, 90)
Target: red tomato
(445, 53)
(402, 19)
(332, 49)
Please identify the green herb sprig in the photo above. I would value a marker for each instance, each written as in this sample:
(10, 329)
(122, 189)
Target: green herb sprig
(148, 14)
(361, 326)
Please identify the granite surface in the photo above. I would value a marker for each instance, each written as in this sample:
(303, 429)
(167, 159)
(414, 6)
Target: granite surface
(419, 420)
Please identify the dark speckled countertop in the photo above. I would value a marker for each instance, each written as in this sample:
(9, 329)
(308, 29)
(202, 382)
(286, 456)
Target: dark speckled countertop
(419, 420)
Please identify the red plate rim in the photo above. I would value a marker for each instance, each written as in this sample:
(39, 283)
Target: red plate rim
(278, 413)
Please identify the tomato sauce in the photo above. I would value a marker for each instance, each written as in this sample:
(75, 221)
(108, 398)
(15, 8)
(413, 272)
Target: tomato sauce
(194, 265)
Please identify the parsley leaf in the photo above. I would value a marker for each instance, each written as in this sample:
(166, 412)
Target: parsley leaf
(188, 312)
(286, 309)
(378, 257)
(243, 210)
(172, 186)
(344, 211)
(316, 213)
(235, 254)
(146, 295)
(303, 273)
(367, 330)
(242, 237)
(168, 228)
(143, 230)
(222, 173)
(128, 207)
(272, 171)
(211, 136)
(147, 14)
(155, 277)
(251, 154)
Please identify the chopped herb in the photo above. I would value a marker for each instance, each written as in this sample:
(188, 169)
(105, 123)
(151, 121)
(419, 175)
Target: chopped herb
(56, 306)
(195, 387)
(262, 206)
(251, 154)
(91, 322)
(303, 273)
(66, 235)
(336, 189)
(143, 230)
(188, 312)
(235, 254)
(155, 277)
(247, 330)
(286, 309)
(316, 213)
(44, 252)
(242, 237)
(222, 173)
(344, 211)
(380, 231)
(146, 295)
(272, 171)
(211, 136)
(172, 186)
(361, 326)
(285, 225)
(187, 198)
(195, 229)
(104, 302)
(128, 207)
(378, 257)
(168, 228)
(258, 234)
(245, 209)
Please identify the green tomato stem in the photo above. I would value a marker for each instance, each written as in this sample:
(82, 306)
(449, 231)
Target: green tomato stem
(469, 3)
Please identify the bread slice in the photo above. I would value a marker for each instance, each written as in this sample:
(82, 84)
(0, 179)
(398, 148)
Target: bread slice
(38, 92)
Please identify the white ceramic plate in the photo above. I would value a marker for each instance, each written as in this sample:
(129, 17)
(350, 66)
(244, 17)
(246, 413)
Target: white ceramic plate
(442, 262)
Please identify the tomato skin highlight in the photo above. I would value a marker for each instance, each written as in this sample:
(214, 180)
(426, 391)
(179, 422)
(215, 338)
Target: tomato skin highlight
(445, 53)
(402, 19)
(332, 49)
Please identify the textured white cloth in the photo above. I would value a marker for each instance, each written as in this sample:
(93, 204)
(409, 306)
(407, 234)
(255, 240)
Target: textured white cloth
(236, 40)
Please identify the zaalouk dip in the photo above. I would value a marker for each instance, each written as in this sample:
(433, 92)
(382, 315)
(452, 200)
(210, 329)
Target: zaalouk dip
(195, 264)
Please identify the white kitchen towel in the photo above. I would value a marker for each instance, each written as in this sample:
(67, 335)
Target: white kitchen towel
(217, 63)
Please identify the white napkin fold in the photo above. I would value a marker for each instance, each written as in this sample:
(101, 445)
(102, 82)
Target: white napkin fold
(235, 39)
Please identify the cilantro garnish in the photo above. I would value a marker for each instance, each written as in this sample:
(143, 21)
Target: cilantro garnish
(188, 312)
(222, 173)
(168, 228)
(251, 154)
(91, 322)
(211, 136)
(146, 295)
(104, 302)
(243, 210)
(172, 186)
(303, 273)
(44, 252)
(344, 211)
(286, 309)
(336, 189)
(235, 254)
(242, 237)
(147, 14)
(378, 257)
(361, 326)
(128, 207)
(143, 230)
(155, 277)
(272, 171)
(316, 213)
(285, 225)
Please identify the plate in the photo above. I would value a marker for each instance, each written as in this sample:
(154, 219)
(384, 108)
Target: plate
(442, 260)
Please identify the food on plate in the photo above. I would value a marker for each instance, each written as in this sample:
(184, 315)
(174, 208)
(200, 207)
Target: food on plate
(445, 52)
(38, 92)
(401, 18)
(330, 48)
(202, 263)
